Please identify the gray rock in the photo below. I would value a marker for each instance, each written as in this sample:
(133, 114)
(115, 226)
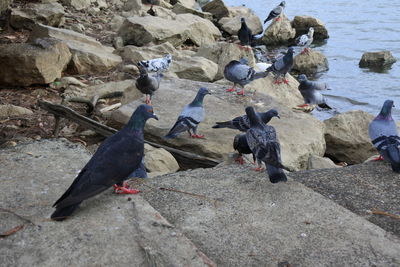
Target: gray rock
(77, 4)
(217, 8)
(310, 63)
(317, 162)
(9, 110)
(303, 23)
(159, 161)
(232, 24)
(4, 4)
(377, 59)
(279, 32)
(182, 9)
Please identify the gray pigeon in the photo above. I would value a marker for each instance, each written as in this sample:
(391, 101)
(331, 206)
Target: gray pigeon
(190, 117)
(140, 172)
(306, 40)
(157, 64)
(240, 73)
(242, 123)
(276, 12)
(148, 84)
(264, 144)
(384, 136)
(245, 35)
(282, 66)
(241, 146)
(310, 92)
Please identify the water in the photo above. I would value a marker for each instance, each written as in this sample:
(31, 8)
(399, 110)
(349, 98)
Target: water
(354, 27)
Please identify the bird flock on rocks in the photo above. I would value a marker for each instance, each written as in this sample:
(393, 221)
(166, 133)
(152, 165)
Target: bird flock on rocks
(121, 156)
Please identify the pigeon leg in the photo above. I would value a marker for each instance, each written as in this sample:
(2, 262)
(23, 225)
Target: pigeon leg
(241, 92)
(147, 101)
(232, 89)
(284, 80)
(259, 169)
(278, 18)
(124, 189)
(378, 158)
(303, 106)
(239, 159)
(306, 50)
(276, 80)
(197, 136)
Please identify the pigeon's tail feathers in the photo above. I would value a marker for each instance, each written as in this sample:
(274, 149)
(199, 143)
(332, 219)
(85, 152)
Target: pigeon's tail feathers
(171, 135)
(224, 124)
(61, 214)
(275, 174)
(324, 105)
(261, 74)
(393, 156)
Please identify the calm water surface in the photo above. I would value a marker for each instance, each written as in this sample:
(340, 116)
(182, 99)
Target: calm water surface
(354, 27)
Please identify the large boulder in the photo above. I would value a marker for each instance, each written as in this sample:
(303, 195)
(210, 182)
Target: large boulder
(308, 138)
(182, 9)
(222, 53)
(26, 17)
(24, 64)
(303, 23)
(317, 162)
(217, 8)
(9, 110)
(77, 4)
(159, 161)
(4, 5)
(279, 32)
(347, 138)
(377, 59)
(232, 24)
(88, 55)
(141, 31)
(186, 3)
(310, 63)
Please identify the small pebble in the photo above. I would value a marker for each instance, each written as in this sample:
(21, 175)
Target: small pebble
(129, 199)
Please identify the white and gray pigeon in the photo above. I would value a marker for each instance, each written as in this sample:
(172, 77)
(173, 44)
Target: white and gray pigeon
(264, 144)
(242, 123)
(310, 91)
(305, 40)
(276, 12)
(148, 84)
(190, 117)
(240, 73)
(384, 136)
(282, 65)
(157, 64)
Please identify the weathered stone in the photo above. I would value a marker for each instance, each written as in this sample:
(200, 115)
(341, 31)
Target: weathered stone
(279, 32)
(296, 145)
(159, 160)
(217, 8)
(303, 23)
(4, 4)
(88, 55)
(77, 4)
(317, 162)
(186, 3)
(377, 59)
(24, 64)
(232, 24)
(310, 63)
(182, 9)
(9, 110)
(347, 137)
(51, 14)
(222, 53)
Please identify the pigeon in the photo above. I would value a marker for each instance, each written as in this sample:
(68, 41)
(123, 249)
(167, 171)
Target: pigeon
(306, 40)
(157, 64)
(264, 144)
(242, 123)
(240, 73)
(310, 92)
(245, 35)
(140, 172)
(148, 84)
(241, 146)
(282, 66)
(190, 117)
(384, 136)
(117, 157)
(276, 12)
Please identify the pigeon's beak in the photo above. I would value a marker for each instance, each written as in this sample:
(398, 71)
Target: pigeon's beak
(154, 116)
(278, 117)
(208, 93)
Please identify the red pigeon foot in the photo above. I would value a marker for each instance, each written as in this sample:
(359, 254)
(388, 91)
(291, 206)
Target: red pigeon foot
(124, 189)
(198, 136)
(378, 158)
(239, 160)
(241, 92)
(304, 105)
(259, 169)
(285, 81)
(277, 81)
(231, 89)
(278, 19)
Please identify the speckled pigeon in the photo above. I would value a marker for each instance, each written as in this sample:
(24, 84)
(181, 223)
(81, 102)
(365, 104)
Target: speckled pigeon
(282, 66)
(245, 35)
(240, 73)
(115, 159)
(264, 144)
(384, 136)
(242, 123)
(148, 84)
(157, 64)
(276, 12)
(310, 92)
(190, 117)
(306, 40)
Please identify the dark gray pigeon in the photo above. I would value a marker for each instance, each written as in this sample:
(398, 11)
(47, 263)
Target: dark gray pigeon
(264, 144)
(245, 35)
(148, 84)
(241, 146)
(190, 117)
(310, 91)
(306, 40)
(276, 12)
(140, 172)
(384, 136)
(115, 159)
(240, 73)
(282, 66)
(242, 123)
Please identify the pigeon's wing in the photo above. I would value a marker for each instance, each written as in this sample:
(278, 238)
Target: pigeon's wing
(140, 172)
(274, 13)
(389, 148)
(241, 123)
(302, 40)
(242, 73)
(378, 129)
(195, 113)
(181, 125)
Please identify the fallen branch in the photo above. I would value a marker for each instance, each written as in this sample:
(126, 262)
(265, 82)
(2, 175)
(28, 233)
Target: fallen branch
(12, 231)
(384, 213)
(17, 215)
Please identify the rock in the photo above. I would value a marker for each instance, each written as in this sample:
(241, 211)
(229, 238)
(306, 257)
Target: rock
(232, 24)
(78, 27)
(285, 222)
(51, 14)
(317, 162)
(217, 8)
(4, 5)
(88, 55)
(77, 4)
(24, 64)
(174, 94)
(116, 22)
(279, 32)
(222, 53)
(347, 138)
(182, 9)
(192, 4)
(377, 59)
(310, 63)
(159, 160)
(303, 23)
(9, 110)
(44, 170)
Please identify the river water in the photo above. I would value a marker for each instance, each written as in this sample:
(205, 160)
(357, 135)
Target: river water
(354, 27)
